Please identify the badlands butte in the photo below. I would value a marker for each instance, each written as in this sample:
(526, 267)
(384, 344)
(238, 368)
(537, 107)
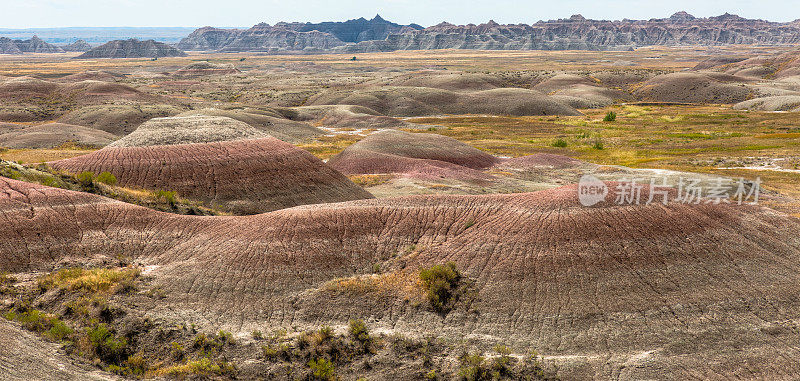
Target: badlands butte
(401, 202)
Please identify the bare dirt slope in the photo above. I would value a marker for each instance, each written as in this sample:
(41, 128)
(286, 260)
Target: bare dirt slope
(695, 88)
(24, 357)
(627, 292)
(266, 121)
(54, 134)
(244, 176)
(419, 101)
(119, 120)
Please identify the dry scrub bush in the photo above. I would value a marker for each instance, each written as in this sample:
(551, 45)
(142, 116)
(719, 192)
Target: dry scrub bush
(440, 283)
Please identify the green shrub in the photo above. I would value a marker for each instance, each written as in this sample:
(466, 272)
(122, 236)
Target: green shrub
(257, 335)
(610, 116)
(359, 331)
(225, 337)
(322, 369)
(177, 351)
(598, 144)
(269, 352)
(86, 179)
(440, 283)
(473, 368)
(325, 333)
(106, 178)
(167, 196)
(58, 330)
(106, 345)
(560, 143)
(7, 284)
(501, 365)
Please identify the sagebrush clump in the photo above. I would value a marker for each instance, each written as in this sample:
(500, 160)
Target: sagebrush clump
(440, 283)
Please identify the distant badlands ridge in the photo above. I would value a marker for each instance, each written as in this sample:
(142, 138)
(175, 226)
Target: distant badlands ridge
(379, 35)
(574, 33)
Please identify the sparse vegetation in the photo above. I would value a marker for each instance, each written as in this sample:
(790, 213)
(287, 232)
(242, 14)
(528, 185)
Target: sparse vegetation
(40, 322)
(105, 185)
(611, 116)
(501, 366)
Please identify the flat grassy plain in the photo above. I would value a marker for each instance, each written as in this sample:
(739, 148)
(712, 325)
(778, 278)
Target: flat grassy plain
(705, 139)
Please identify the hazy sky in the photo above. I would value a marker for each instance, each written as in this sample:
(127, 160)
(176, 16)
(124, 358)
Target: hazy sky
(55, 13)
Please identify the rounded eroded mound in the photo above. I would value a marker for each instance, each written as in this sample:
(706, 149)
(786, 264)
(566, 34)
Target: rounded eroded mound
(188, 129)
(413, 154)
(695, 88)
(243, 176)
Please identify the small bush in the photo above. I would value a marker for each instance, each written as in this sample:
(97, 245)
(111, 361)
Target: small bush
(324, 334)
(135, 366)
(106, 345)
(257, 335)
(269, 352)
(501, 365)
(559, 143)
(225, 337)
(86, 179)
(610, 116)
(359, 332)
(440, 283)
(322, 369)
(473, 368)
(58, 330)
(106, 178)
(169, 197)
(598, 144)
(177, 351)
(7, 284)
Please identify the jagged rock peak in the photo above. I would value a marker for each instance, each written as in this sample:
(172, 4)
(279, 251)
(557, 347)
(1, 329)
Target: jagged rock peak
(682, 16)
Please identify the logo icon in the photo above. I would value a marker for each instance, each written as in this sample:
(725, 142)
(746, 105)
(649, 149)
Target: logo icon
(591, 190)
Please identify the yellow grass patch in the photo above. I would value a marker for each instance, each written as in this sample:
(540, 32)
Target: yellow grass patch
(401, 283)
(91, 280)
